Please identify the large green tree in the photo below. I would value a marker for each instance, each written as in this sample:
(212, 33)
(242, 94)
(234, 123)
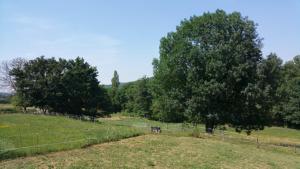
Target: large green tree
(63, 86)
(208, 72)
(81, 87)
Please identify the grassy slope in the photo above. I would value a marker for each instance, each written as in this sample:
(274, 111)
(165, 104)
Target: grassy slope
(171, 149)
(162, 151)
(274, 135)
(23, 130)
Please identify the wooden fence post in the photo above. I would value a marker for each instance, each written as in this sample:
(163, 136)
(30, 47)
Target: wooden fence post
(37, 142)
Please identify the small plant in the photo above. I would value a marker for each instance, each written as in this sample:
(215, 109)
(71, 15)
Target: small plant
(196, 133)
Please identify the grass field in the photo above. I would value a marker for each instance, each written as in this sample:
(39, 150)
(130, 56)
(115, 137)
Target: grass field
(26, 134)
(269, 136)
(162, 151)
(7, 108)
(178, 146)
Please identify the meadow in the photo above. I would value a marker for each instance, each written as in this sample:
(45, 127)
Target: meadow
(74, 144)
(28, 134)
(162, 151)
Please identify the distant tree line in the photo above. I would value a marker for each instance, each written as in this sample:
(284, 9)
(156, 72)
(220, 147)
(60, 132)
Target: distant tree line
(210, 70)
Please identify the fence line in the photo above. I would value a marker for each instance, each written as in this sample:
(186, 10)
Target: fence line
(42, 145)
(223, 135)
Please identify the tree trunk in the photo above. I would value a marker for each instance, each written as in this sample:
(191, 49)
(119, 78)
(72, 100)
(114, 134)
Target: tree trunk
(24, 109)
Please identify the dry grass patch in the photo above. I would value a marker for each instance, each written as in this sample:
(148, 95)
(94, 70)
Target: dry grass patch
(162, 151)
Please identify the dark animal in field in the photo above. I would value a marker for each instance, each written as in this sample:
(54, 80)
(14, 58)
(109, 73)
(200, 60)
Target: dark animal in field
(155, 130)
(209, 130)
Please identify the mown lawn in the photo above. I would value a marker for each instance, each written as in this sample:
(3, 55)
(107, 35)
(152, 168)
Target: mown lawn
(163, 151)
(27, 134)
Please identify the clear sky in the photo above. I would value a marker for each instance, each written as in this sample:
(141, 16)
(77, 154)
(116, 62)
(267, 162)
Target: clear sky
(124, 35)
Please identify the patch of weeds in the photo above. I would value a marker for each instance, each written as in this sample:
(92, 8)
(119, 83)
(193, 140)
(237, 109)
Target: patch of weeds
(197, 133)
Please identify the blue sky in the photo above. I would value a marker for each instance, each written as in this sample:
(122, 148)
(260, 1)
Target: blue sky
(124, 35)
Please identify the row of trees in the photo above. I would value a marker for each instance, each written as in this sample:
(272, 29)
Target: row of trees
(280, 98)
(210, 71)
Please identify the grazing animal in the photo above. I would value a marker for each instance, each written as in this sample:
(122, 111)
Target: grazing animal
(209, 130)
(155, 130)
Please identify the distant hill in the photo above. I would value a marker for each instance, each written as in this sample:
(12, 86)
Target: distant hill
(121, 85)
(4, 97)
(4, 94)
(124, 83)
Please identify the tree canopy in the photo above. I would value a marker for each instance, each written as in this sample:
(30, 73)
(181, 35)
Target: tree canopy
(287, 109)
(114, 92)
(208, 72)
(136, 97)
(61, 86)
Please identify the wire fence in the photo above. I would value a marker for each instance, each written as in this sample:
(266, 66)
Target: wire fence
(226, 135)
(12, 146)
(187, 129)
(33, 145)
(36, 143)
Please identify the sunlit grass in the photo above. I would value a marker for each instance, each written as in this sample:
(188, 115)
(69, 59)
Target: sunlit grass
(178, 146)
(163, 151)
(26, 134)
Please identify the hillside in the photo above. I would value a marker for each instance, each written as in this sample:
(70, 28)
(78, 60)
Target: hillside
(121, 84)
(178, 146)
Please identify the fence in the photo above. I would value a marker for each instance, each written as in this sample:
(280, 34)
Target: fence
(23, 145)
(186, 129)
(12, 146)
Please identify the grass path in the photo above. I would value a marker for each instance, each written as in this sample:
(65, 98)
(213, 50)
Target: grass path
(161, 151)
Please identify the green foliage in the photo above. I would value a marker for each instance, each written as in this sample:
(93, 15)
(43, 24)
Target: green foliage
(58, 86)
(208, 72)
(270, 78)
(19, 102)
(115, 83)
(114, 92)
(288, 109)
(104, 103)
(136, 97)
